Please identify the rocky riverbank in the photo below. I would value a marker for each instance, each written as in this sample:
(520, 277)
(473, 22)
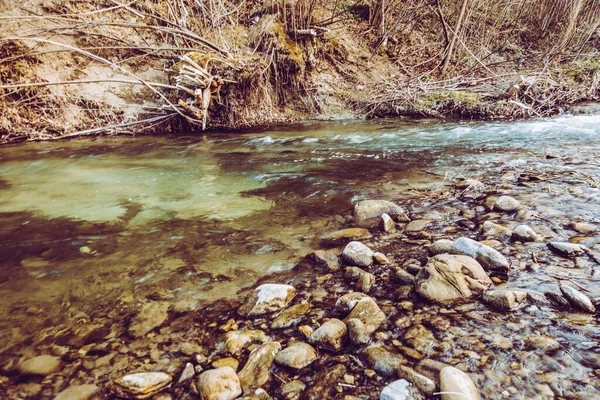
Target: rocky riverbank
(471, 289)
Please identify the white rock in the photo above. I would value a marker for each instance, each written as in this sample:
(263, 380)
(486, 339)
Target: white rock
(456, 385)
(400, 390)
(267, 298)
(141, 385)
(524, 233)
(356, 253)
(577, 299)
(388, 223)
(490, 259)
(506, 203)
(219, 384)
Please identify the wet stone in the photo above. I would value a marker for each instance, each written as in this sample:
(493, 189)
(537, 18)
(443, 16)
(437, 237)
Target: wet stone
(491, 229)
(330, 336)
(381, 258)
(326, 259)
(546, 344)
(423, 383)
(151, 316)
(567, 249)
(506, 204)
(367, 311)
(387, 223)
(188, 373)
(347, 302)
(577, 299)
(420, 338)
(456, 385)
(219, 384)
(400, 390)
(490, 259)
(354, 273)
(293, 390)
(525, 233)
(357, 331)
(365, 282)
(325, 382)
(40, 365)
(367, 212)
(255, 373)
(585, 227)
(236, 341)
(356, 253)
(417, 225)
(226, 362)
(296, 355)
(403, 276)
(141, 385)
(504, 299)
(291, 316)
(447, 278)
(267, 298)
(343, 236)
(383, 359)
(78, 392)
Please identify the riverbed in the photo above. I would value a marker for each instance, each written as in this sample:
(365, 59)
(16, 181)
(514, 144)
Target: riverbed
(91, 230)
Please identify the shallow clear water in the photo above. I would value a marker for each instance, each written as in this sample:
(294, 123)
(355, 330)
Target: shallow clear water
(193, 218)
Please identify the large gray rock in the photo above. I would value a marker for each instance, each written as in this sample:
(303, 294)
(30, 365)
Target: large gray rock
(356, 253)
(504, 299)
(491, 260)
(368, 212)
(40, 365)
(219, 384)
(267, 298)
(456, 385)
(142, 385)
(78, 392)
(577, 299)
(447, 278)
(151, 316)
(255, 373)
(297, 355)
(329, 336)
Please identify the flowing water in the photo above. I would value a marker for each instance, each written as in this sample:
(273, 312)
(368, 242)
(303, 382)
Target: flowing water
(194, 218)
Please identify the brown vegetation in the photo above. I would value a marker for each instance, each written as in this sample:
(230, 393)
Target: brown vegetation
(77, 67)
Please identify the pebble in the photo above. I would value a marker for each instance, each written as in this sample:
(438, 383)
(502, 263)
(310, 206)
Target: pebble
(293, 389)
(297, 355)
(567, 249)
(388, 223)
(400, 390)
(365, 282)
(456, 385)
(78, 392)
(141, 385)
(330, 336)
(423, 383)
(356, 253)
(504, 299)
(383, 360)
(346, 303)
(267, 298)
(226, 362)
(417, 225)
(525, 233)
(291, 316)
(219, 384)
(255, 373)
(368, 312)
(577, 299)
(506, 204)
(41, 365)
(188, 373)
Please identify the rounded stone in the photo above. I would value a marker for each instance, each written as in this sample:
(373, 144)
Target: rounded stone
(297, 355)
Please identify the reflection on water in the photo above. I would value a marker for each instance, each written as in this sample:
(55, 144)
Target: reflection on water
(193, 218)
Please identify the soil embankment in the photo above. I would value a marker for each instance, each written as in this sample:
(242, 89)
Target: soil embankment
(73, 68)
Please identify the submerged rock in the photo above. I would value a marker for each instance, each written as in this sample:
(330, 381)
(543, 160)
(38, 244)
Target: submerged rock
(325, 382)
(267, 298)
(236, 341)
(506, 204)
(447, 278)
(327, 259)
(356, 253)
(142, 385)
(547, 344)
(368, 212)
(491, 229)
(423, 383)
(219, 384)
(297, 355)
(456, 385)
(383, 360)
(151, 316)
(330, 335)
(342, 236)
(255, 373)
(504, 299)
(292, 390)
(577, 299)
(40, 365)
(567, 249)
(524, 233)
(490, 259)
(291, 316)
(78, 392)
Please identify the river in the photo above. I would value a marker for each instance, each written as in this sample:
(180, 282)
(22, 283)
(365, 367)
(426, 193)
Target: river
(86, 224)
